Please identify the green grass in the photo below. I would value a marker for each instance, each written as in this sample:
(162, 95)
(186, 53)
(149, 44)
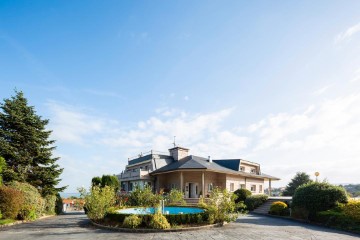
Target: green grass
(6, 221)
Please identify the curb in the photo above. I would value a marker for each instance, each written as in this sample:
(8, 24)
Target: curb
(144, 230)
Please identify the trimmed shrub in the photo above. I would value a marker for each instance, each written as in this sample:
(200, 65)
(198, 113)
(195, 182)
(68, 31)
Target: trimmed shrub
(241, 194)
(352, 209)
(279, 208)
(34, 204)
(316, 197)
(10, 202)
(98, 201)
(158, 221)
(255, 201)
(132, 221)
(337, 219)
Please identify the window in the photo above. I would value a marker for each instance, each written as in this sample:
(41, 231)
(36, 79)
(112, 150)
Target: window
(253, 170)
(146, 167)
(242, 169)
(173, 185)
(231, 187)
(242, 186)
(260, 188)
(210, 187)
(253, 188)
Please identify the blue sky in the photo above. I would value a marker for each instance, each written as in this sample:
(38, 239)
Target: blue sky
(272, 82)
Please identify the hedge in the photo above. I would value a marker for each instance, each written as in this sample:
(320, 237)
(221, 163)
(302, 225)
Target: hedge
(337, 219)
(173, 219)
(255, 201)
(316, 197)
(34, 204)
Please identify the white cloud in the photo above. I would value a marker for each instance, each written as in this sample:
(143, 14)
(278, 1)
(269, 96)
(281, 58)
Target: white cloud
(71, 125)
(346, 35)
(323, 137)
(321, 90)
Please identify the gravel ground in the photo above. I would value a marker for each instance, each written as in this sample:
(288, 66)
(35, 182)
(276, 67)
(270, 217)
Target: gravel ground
(77, 226)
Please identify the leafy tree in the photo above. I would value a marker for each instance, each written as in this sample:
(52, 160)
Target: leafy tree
(111, 181)
(26, 147)
(176, 197)
(300, 178)
(2, 168)
(95, 181)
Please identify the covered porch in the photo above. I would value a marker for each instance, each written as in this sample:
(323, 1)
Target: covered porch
(193, 183)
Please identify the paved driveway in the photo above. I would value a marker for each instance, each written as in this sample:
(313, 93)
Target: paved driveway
(77, 226)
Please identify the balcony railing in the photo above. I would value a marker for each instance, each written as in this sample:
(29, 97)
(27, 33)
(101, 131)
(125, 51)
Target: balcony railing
(135, 174)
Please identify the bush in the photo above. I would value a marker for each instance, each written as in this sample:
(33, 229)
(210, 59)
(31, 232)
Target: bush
(132, 221)
(10, 202)
(352, 209)
(279, 208)
(316, 197)
(255, 201)
(158, 221)
(337, 219)
(144, 197)
(50, 203)
(175, 197)
(241, 207)
(0, 215)
(34, 204)
(241, 194)
(221, 206)
(98, 201)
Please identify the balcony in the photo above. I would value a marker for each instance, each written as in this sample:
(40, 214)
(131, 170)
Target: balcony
(136, 174)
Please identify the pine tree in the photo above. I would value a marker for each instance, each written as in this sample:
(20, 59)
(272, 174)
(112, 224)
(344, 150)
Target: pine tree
(299, 179)
(26, 147)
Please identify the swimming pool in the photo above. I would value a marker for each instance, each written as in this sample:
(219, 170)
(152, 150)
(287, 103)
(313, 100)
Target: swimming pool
(167, 210)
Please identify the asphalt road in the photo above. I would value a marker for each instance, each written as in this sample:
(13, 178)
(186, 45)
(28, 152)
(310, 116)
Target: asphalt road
(77, 226)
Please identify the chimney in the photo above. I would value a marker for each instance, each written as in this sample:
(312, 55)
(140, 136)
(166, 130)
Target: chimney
(179, 153)
(209, 159)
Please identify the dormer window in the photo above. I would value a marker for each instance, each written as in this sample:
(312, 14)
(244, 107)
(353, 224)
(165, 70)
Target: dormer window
(242, 169)
(253, 170)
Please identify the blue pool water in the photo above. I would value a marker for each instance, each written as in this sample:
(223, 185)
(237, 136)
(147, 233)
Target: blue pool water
(167, 210)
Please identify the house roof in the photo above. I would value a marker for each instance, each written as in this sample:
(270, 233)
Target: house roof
(233, 164)
(195, 162)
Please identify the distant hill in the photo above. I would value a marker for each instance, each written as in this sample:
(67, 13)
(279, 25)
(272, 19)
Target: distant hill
(353, 189)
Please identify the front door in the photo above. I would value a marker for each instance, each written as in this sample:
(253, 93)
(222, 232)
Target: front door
(192, 190)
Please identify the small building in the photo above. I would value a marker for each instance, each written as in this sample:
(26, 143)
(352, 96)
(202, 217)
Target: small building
(194, 176)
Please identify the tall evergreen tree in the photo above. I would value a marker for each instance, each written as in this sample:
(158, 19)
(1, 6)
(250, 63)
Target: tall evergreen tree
(299, 179)
(26, 147)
